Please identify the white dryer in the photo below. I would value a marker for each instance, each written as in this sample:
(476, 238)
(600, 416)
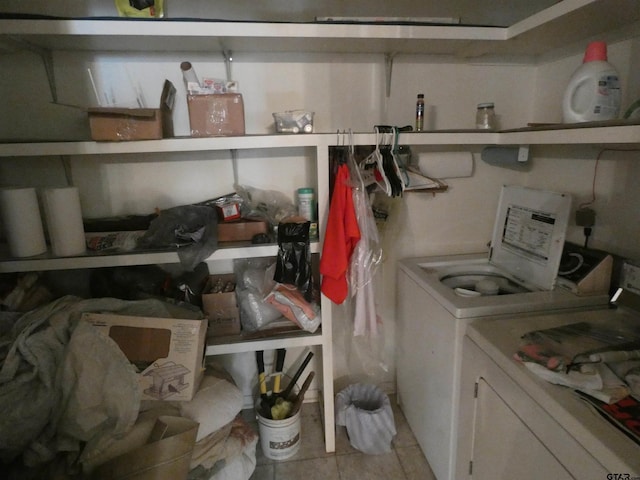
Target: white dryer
(438, 296)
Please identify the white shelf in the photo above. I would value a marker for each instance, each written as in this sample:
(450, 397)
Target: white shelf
(567, 22)
(226, 345)
(616, 134)
(97, 260)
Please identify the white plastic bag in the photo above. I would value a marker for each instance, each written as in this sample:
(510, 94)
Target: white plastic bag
(366, 412)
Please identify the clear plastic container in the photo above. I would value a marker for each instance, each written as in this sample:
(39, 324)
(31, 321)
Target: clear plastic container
(294, 121)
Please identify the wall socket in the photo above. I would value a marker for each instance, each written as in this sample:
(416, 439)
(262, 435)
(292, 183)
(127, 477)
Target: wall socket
(585, 217)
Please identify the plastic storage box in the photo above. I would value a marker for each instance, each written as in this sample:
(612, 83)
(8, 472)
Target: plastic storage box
(294, 121)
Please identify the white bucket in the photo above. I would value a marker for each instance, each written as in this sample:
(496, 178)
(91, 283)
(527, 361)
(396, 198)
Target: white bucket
(279, 439)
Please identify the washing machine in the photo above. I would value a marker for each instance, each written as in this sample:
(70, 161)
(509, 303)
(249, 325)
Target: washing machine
(438, 296)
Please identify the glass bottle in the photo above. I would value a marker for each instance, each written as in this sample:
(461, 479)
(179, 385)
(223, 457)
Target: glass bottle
(420, 113)
(486, 116)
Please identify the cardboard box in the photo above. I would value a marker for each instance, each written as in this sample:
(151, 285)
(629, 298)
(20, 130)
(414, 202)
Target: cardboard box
(215, 115)
(241, 230)
(168, 351)
(221, 308)
(122, 124)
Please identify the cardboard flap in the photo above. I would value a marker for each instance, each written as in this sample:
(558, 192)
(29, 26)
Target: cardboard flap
(124, 112)
(168, 97)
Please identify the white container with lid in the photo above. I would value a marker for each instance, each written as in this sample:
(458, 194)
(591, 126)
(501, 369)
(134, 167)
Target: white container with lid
(593, 92)
(307, 208)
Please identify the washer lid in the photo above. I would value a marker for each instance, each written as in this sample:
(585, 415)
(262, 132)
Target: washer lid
(528, 235)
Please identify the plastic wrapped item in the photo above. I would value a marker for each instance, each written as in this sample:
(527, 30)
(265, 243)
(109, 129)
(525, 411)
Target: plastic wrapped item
(190, 228)
(365, 410)
(271, 205)
(290, 302)
(293, 265)
(255, 280)
(112, 241)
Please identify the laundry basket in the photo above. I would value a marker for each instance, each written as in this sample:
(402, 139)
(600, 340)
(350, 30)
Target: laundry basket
(366, 412)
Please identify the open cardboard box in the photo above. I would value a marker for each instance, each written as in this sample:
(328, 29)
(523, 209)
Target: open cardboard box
(168, 351)
(221, 308)
(121, 124)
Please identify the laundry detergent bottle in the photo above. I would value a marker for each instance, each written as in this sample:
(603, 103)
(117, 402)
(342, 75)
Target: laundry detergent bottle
(593, 92)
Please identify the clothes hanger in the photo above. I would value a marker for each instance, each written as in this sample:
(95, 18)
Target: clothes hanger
(372, 168)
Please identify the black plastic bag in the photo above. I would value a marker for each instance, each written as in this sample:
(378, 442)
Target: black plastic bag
(293, 265)
(192, 229)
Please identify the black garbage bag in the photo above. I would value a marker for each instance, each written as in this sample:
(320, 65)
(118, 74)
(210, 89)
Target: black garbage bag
(192, 229)
(293, 264)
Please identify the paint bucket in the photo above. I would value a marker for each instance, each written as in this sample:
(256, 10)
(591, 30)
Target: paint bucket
(279, 439)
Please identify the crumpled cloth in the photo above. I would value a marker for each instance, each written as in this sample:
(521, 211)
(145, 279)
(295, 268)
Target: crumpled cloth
(64, 386)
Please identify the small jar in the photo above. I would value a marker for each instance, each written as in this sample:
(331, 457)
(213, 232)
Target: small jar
(486, 117)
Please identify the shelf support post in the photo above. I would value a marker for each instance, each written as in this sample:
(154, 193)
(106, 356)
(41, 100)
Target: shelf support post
(47, 59)
(388, 70)
(228, 59)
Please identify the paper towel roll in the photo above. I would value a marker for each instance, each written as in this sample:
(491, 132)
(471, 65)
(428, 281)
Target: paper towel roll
(445, 164)
(21, 221)
(64, 220)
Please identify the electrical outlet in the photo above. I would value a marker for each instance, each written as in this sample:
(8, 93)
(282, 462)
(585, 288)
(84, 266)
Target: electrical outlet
(585, 217)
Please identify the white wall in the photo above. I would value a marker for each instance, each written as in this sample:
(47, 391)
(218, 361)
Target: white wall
(345, 92)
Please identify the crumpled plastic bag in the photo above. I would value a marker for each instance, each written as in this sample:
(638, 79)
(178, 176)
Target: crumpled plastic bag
(271, 205)
(366, 412)
(192, 229)
(254, 282)
(290, 302)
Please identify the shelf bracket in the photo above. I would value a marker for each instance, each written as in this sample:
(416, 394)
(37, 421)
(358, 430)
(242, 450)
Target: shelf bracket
(47, 59)
(228, 60)
(388, 70)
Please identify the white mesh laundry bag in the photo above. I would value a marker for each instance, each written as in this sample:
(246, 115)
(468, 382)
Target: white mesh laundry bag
(366, 412)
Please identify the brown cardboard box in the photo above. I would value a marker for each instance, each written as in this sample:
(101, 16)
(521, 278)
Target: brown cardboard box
(220, 114)
(169, 351)
(221, 308)
(166, 455)
(240, 230)
(121, 124)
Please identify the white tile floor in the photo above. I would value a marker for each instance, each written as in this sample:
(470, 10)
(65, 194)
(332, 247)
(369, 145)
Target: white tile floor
(404, 462)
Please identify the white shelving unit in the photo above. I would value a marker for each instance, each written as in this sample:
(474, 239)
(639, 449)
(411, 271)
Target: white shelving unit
(555, 28)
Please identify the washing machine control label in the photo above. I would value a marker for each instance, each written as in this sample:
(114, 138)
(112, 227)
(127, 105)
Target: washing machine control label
(528, 232)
